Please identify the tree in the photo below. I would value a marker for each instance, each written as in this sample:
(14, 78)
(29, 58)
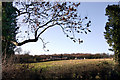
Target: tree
(40, 16)
(112, 34)
(9, 29)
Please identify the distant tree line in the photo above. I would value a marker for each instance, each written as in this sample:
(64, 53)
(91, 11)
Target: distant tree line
(26, 58)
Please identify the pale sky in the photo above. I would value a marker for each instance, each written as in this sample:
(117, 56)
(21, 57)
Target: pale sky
(93, 42)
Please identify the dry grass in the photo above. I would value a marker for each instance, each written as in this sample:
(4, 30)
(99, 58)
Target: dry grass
(71, 63)
(88, 69)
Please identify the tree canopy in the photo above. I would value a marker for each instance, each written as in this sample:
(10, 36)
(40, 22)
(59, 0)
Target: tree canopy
(112, 28)
(9, 29)
(40, 16)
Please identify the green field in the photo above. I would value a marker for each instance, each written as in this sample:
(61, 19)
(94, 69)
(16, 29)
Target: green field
(71, 63)
(85, 69)
(80, 69)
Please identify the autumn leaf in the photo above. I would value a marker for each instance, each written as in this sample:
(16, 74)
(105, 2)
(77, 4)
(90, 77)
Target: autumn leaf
(89, 30)
(74, 41)
(85, 17)
(85, 32)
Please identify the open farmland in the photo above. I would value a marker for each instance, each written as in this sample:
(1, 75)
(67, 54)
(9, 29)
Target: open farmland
(84, 69)
(71, 63)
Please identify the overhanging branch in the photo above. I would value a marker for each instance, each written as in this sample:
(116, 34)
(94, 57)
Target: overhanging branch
(32, 40)
(24, 42)
(45, 29)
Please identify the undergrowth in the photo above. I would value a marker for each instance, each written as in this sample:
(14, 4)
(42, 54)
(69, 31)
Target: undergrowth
(97, 70)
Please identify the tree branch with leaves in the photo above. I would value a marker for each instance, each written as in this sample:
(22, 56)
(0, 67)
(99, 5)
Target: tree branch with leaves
(40, 16)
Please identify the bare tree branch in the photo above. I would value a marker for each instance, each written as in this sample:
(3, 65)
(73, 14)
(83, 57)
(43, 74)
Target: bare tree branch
(44, 44)
(24, 42)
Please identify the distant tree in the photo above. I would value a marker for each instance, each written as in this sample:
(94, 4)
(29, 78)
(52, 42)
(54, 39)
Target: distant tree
(40, 16)
(9, 29)
(112, 34)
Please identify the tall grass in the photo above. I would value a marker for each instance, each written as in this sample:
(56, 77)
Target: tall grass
(89, 69)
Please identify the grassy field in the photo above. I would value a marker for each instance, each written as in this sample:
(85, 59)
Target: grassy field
(85, 69)
(71, 63)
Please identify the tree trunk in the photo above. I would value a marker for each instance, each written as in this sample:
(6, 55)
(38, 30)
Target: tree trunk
(119, 58)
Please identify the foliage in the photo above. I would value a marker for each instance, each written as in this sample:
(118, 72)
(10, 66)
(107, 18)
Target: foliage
(26, 58)
(40, 16)
(9, 29)
(112, 34)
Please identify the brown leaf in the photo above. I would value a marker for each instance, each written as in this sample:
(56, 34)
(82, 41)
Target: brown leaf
(25, 31)
(71, 38)
(85, 32)
(89, 30)
(71, 9)
(37, 24)
(67, 13)
(74, 41)
(85, 17)
(67, 35)
(75, 15)
(78, 31)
